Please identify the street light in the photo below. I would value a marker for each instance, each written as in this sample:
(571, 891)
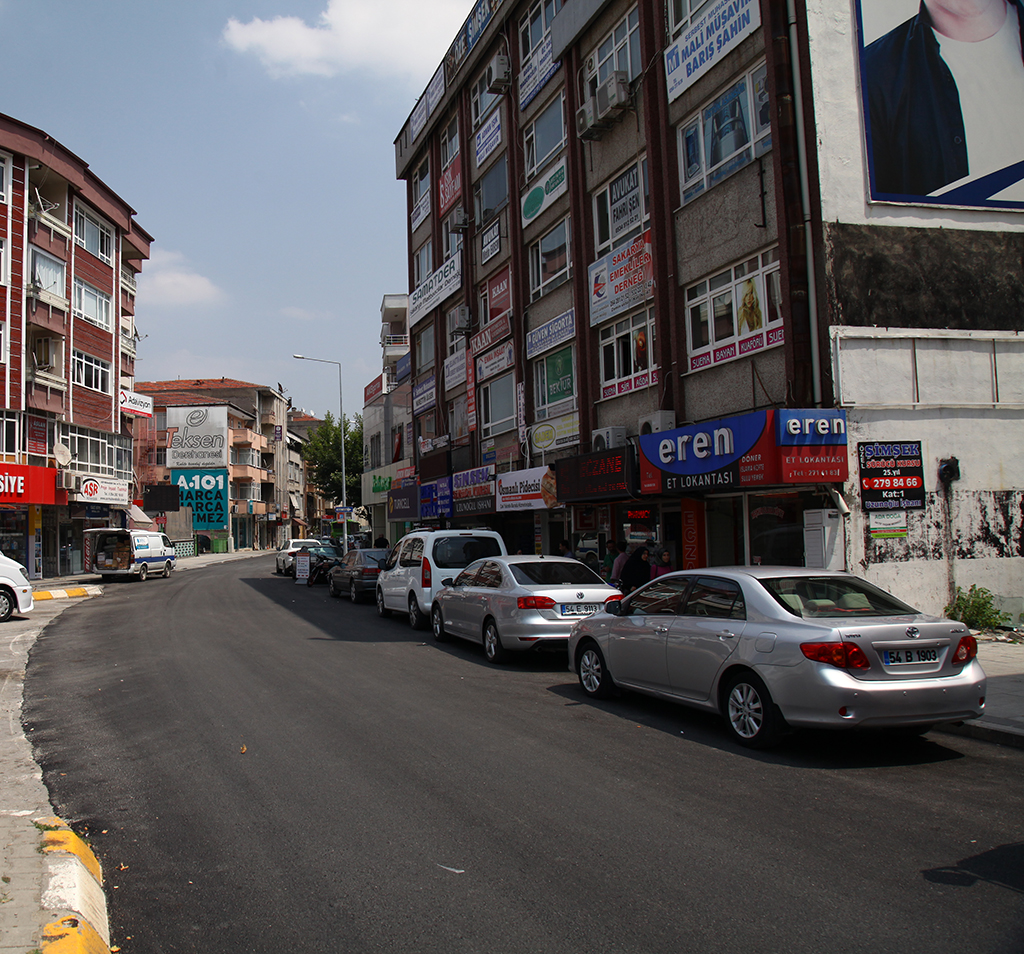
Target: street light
(344, 481)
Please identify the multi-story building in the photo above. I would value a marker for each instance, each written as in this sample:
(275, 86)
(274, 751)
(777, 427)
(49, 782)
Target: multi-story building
(70, 254)
(659, 256)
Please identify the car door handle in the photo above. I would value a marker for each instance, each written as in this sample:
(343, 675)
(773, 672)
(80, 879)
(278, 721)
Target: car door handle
(725, 634)
(661, 629)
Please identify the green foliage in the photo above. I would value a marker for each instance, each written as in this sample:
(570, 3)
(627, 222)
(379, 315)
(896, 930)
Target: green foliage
(975, 610)
(323, 454)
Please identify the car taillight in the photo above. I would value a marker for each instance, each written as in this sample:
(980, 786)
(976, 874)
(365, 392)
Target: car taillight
(965, 651)
(536, 602)
(425, 575)
(369, 571)
(841, 655)
(613, 598)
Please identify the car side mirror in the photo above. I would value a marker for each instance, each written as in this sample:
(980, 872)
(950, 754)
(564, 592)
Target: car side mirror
(448, 581)
(382, 563)
(613, 607)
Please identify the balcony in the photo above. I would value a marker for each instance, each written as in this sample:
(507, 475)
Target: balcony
(395, 347)
(128, 280)
(244, 437)
(128, 345)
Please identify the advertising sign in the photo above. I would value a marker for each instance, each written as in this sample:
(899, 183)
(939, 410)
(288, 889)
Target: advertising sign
(139, 404)
(555, 434)
(496, 361)
(891, 475)
(455, 369)
(707, 41)
(603, 475)
(887, 524)
(551, 334)
(197, 437)
(22, 484)
(491, 242)
(206, 492)
(812, 445)
(404, 503)
(445, 281)
(625, 206)
(532, 489)
(424, 395)
(552, 185)
(35, 436)
(449, 186)
(489, 334)
(499, 294)
(421, 209)
(535, 71)
(936, 132)
(426, 104)
(436, 499)
(621, 280)
(488, 137)
(559, 381)
(470, 396)
(373, 390)
(104, 490)
(473, 491)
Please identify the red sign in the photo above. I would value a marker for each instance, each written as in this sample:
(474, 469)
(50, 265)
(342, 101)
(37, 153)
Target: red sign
(35, 436)
(374, 389)
(449, 186)
(499, 294)
(490, 334)
(29, 485)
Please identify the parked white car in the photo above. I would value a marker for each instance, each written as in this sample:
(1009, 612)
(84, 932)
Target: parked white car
(15, 589)
(285, 561)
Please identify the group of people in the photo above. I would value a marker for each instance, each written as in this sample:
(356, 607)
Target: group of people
(629, 571)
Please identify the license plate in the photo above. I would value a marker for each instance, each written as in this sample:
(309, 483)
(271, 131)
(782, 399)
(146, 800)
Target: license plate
(907, 657)
(580, 609)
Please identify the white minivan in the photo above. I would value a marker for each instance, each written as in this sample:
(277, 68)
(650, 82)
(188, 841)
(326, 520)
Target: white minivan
(113, 552)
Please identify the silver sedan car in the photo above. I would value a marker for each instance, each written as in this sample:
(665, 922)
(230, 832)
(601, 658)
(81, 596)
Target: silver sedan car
(511, 603)
(770, 648)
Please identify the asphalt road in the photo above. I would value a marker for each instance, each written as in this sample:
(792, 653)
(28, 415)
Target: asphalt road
(261, 768)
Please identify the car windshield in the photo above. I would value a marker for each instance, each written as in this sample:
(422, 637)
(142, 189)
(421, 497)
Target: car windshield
(818, 597)
(551, 573)
(372, 556)
(328, 552)
(455, 553)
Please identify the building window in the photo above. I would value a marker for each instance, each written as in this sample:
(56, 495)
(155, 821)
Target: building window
(376, 451)
(456, 335)
(545, 135)
(498, 405)
(728, 133)
(4, 188)
(536, 25)
(622, 208)
(425, 348)
(3, 263)
(91, 304)
(421, 181)
(3, 342)
(96, 452)
(735, 312)
(491, 191)
(683, 13)
(458, 419)
(554, 383)
(550, 260)
(481, 100)
(48, 273)
(90, 372)
(618, 51)
(450, 143)
(452, 238)
(422, 263)
(93, 235)
(626, 349)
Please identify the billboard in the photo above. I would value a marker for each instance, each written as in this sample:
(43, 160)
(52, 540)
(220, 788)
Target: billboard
(206, 492)
(197, 437)
(941, 127)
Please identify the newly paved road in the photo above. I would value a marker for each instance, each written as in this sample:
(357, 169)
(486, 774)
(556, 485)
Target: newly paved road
(263, 769)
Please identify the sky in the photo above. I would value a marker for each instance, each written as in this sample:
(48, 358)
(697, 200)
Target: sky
(254, 139)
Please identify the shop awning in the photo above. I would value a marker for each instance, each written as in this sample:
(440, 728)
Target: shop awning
(138, 515)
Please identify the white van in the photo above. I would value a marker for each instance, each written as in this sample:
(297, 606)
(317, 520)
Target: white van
(140, 553)
(15, 589)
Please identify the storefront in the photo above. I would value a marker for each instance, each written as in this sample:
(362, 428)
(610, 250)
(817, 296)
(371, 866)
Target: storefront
(29, 500)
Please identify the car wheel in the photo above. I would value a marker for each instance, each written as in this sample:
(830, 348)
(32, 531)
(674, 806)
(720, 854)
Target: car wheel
(353, 592)
(168, 567)
(751, 716)
(143, 573)
(593, 672)
(382, 611)
(493, 649)
(416, 619)
(332, 590)
(6, 605)
(277, 568)
(437, 624)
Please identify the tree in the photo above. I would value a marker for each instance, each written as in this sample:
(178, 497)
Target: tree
(322, 452)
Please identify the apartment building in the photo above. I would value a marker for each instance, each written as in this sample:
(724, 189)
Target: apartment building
(70, 255)
(660, 260)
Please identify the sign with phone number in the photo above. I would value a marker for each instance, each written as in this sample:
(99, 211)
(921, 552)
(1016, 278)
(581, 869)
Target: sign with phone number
(891, 475)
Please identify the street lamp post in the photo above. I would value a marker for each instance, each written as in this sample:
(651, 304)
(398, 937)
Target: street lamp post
(344, 480)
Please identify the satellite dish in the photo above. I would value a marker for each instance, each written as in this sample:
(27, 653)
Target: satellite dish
(62, 453)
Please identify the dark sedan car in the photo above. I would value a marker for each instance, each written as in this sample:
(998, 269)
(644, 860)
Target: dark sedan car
(356, 574)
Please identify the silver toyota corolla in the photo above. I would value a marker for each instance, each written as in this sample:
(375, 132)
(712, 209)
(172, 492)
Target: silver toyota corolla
(776, 647)
(518, 602)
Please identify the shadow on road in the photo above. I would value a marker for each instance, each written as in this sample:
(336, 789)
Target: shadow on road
(1002, 867)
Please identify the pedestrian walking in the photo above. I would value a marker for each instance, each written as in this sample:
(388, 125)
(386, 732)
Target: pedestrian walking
(618, 564)
(661, 565)
(636, 571)
(609, 561)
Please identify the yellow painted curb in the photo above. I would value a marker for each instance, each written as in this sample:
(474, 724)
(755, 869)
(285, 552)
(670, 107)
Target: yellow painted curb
(42, 595)
(72, 936)
(66, 840)
(77, 591)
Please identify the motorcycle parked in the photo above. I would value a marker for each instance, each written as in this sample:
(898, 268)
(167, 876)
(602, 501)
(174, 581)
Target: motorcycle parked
(320, 570)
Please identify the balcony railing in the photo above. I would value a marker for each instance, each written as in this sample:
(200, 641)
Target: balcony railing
(128, 280)
(394, 341)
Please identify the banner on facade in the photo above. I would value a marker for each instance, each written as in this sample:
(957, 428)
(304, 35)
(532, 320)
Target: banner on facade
(197, 437)
(206, 492)
(621, 280)
(531, 489)
(473, 491)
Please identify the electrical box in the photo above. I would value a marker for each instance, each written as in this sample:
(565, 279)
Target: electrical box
(824, 540)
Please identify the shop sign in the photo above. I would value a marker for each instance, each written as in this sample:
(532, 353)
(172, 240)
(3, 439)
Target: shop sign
(887, 524)
(403, 369)
(445, 281)
(473, 491)
(490, 333)
(535, 71)
(138, 404)
(759, 341)
(488, 138)
(551, 334)
(499, 294)
(22, 484)
(470, 396)
(404, 503)
(197, 437)
(707, 41)
(206, 492)
(891, 475)
(103, 490)
(533, 489)
(553, 185)
(558, 433)
(621, 280)
(468, 35)
(421, 209)
(35, 436)
(426, 104)
(491, 242)
(625, 210)
(381, 485)
(496, 361)
(521, 410)
(373, 390)
(449, 185)
(455, 369)
(644, 379)
(812, 445)
(603, 475)
(424, 395)
(436, 499)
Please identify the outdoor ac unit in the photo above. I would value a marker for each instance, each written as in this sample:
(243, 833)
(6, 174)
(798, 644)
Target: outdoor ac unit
(499, 74)
(605, 438)
(612, 95)
(69, 481)
(460, 220)
(587, 124)
(460, 322)
(658, 421)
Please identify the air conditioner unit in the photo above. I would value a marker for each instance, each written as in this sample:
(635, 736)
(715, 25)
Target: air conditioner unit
(612, 95)
(69, 481)
(658, 421)
(605, 438)
(587, 124)
(499, 74)
(461, 320)
(460, 220)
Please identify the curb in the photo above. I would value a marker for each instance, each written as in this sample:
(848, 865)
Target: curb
(72, 898)
(986, 732)
(70, 593)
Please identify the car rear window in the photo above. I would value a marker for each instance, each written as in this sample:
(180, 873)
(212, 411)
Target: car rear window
(547, 573)
(834, 597)
(455, 553)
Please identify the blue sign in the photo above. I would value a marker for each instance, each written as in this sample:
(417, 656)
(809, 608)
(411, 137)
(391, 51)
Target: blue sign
(206, 492)
(810, 427)
(436, 499)
(550, 334)
(404, 367)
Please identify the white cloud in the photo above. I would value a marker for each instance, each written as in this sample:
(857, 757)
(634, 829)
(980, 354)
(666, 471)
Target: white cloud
(394, 38)
(167, 280)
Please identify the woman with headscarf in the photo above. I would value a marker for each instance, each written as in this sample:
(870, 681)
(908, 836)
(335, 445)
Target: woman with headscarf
(637, 570)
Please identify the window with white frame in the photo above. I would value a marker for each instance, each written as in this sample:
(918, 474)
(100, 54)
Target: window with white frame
(5, 168)
(3, 263)
(90, 372)
(741, 304)
(48, 273)
(456, 335)
(627, 346)
(622, 208)
(376, 451)
(458, 419)
(536, 25)
(550, 260)
(451, 235)
(554, 383)
(726, 134)
(491, 190)
(450, 143)
(545, 135)
(618, 51)
(481, 100)
(91, 304)
(421, 181)
(498, 405)
(425, 348)
(97, 452)
(3, 342)
(683, 13)
(422, 263)
(9, 421)
(93, 235)
(483, 305)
